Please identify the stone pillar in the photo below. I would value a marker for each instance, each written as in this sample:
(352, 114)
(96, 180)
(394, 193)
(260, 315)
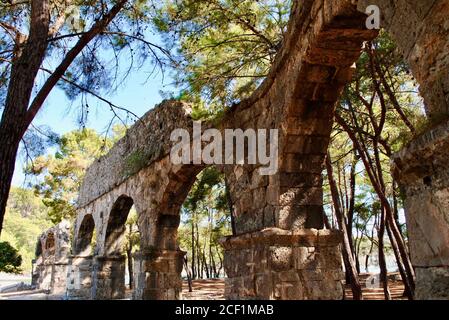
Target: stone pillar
(422, 171)
(277, 264)
(157, 275)
(59, 277)
(108, 277)
(79, 278)
(45, 275)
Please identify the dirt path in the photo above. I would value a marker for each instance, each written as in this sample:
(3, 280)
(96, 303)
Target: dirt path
(214, 289)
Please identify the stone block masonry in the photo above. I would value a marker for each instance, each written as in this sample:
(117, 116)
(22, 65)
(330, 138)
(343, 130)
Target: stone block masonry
(421, 169)
(284, 265)
(279, 249)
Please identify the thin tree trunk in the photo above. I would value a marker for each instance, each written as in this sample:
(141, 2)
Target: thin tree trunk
(351, 208)
(407, 290)
(198, 253)
(347, 254)
(378, 185)
(396, 238)
(371, 247)
(130, 265)
(193, 249)
(189, 274)
(231, 207)
(220, 259)
(382, 262)
(214, 266)
(205, 266)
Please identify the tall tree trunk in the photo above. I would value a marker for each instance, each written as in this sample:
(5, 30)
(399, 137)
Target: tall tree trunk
(206, 268)
(380, 185)
(189, 274)
(9, 146)
(408, 292)
(382, 262)
(130, 266)
(198, 253)
(221, 261)
(351, 208)
(230, 206)
(377, 182)
(396, 238)
(214, 267)
(347, 254)
(29, 54)
(193, 249)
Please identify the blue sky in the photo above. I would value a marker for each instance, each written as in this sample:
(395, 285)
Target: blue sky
(139, 94)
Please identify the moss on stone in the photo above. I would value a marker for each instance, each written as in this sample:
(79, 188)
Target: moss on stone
(134, 162)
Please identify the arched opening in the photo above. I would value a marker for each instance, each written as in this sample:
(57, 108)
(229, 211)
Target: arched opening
(115, 231)
(85, 242)
(39, 249)
(50, 246)
(123, 239)
(380, 112)
(205, 217)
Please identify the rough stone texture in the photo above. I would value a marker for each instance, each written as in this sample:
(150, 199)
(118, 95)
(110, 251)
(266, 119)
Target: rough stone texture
(50, 270)
(108, 277)
(298, 97)
(323, 40)
(79, 278)
(288, 265)
(157, 275)
(421, 30)
(432, 283)
(422, 171)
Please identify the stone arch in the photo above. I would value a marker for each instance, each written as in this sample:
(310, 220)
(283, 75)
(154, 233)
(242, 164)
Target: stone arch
(116, 225)
(39, 249)
(420, 31)
(49, 246)
(168, 217)
(109, 269)
(82, 245)
(164, 258)
(419, 28)
(277, 217)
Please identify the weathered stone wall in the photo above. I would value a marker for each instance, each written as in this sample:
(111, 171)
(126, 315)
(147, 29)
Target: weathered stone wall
(422, 171)
(157, 275)
(50, 271)
(284, 265)
(146, 142)
(323, 40)
(79, 278)
(421, 30)
(108, 277)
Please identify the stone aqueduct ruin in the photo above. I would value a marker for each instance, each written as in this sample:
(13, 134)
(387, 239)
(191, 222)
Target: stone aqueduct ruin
(281, 249)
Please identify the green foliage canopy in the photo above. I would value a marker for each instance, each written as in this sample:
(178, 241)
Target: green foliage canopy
(10, 259)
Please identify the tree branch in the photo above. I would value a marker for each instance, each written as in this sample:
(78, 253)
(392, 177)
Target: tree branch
(97, 28)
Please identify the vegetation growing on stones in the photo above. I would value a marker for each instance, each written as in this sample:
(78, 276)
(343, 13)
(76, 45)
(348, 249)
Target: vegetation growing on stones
(134, 162)
(219, 52)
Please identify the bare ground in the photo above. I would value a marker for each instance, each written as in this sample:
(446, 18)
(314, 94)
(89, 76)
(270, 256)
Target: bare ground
(213, 289)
